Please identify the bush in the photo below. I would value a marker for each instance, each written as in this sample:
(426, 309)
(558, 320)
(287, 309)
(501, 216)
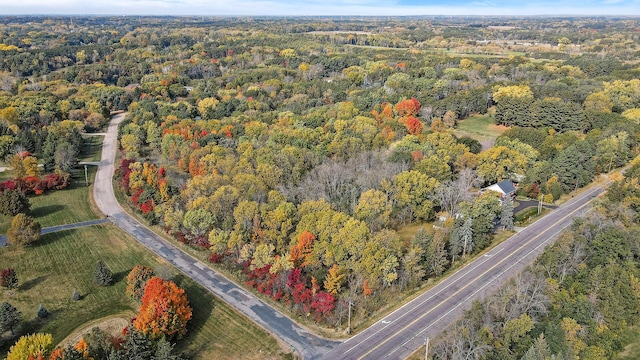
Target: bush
(14, 202)
(102, 275)
(8, 278)
(75, 296)
(24, 230)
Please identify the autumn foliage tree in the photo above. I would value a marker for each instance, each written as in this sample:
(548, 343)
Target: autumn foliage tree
(24, 230)
(137, 280)
(8, 278)
(165, 310)
(34, 346)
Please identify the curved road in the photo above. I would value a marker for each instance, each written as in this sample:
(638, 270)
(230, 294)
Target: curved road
(306, 344)
(402, 332)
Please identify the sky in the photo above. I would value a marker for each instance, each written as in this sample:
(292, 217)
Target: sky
(319, 7)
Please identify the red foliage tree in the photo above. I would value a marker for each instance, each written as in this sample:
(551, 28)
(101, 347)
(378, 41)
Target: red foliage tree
(408, 107)
(8, 278)
(414, 126)
(322, 303)
(165, 310)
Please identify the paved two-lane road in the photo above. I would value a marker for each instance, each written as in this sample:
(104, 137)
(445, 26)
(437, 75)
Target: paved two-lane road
(404, 331)
(306, 344)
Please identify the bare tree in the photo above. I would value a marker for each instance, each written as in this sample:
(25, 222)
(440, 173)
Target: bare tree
(451, 193)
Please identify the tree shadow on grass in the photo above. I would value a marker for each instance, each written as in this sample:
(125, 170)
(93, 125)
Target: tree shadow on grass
(45, 210)
(29, 284)
(119, 276)
(46, 239)
(202, 303)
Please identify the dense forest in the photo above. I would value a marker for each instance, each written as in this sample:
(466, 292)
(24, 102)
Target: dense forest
(297, 152)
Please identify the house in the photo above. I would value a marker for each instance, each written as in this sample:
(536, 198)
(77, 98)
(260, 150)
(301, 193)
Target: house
(504, 188)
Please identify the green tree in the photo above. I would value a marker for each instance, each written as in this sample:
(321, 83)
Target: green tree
(24, 230)
(514, 105)
(14, 202)
(374, 208)
(412, 190)
(102, 275)
(574, 166)
(9, 317)
(506, 213)
(539, 350)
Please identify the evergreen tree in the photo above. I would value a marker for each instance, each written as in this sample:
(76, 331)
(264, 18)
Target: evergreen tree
(466, 236)
(539, 350)
(14, 202)
(42, 312)
(506, 213)
(164, 350)
(102, 275)
(9, 317)
(75, 295)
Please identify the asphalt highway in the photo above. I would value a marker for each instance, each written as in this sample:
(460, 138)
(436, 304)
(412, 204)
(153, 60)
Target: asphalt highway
(403, 331)
(301, 341)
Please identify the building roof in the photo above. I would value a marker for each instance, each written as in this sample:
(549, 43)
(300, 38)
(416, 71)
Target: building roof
(506, 186)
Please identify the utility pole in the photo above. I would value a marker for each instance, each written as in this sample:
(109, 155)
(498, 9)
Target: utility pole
(349, 319)
(426, 348)
(86, 177)
(540, 203)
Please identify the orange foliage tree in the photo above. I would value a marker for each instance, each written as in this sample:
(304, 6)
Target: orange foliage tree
(414, 126)
(301, 251)
(165, 310)
(408, 107)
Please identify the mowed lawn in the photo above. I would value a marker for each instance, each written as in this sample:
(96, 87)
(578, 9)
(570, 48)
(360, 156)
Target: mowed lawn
(92, 148)
(61, 207)
(481, 128)
(60, 262)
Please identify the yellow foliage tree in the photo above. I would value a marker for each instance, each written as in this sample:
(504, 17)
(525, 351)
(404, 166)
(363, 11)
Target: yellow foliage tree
(31, 346)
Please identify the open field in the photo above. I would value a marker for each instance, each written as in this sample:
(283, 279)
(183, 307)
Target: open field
(481, 128)
(215, 331)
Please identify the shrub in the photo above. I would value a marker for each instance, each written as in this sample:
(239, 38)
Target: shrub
(75, 296)
(8, 278)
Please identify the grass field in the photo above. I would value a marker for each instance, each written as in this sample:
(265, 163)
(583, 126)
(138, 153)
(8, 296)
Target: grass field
(92, 148)
(407, 232)
(481, 128)
(215, 331)
(631, 351)
(60, 207)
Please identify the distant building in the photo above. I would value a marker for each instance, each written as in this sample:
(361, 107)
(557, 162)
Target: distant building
(504, 188)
